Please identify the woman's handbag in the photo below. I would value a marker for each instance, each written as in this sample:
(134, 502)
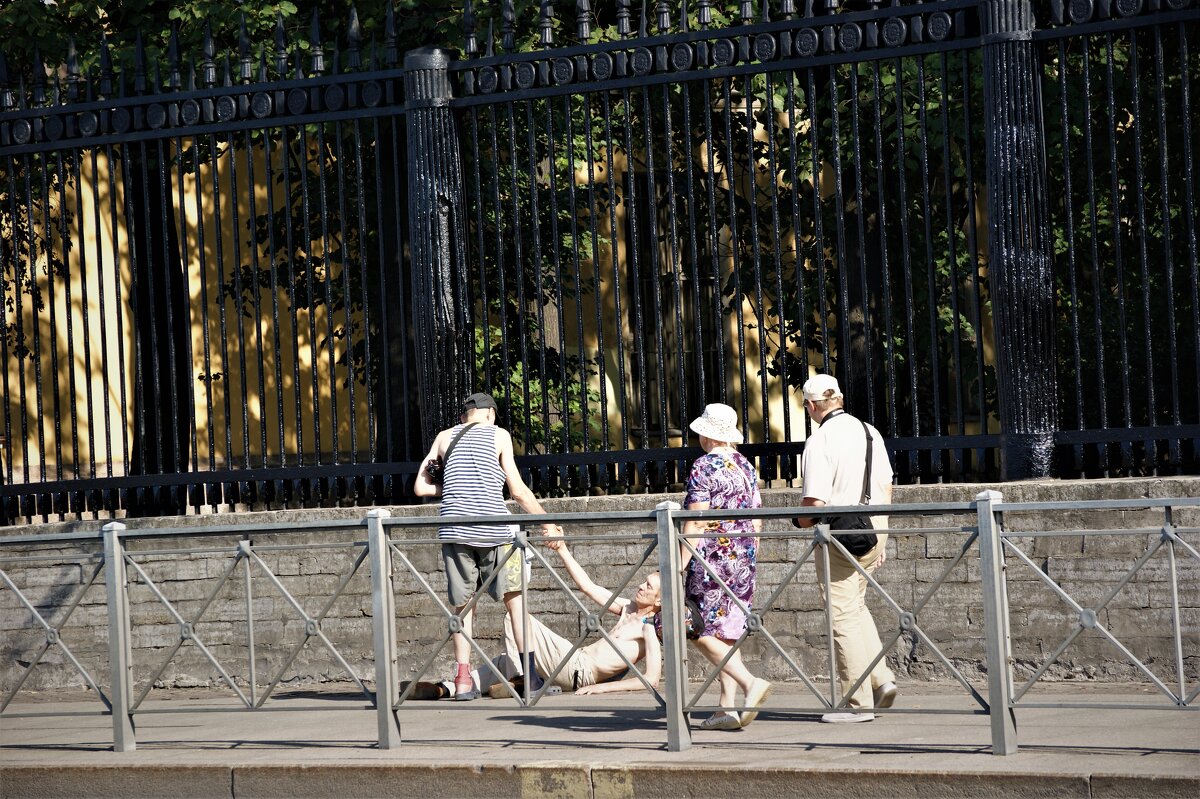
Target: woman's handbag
(435, 470)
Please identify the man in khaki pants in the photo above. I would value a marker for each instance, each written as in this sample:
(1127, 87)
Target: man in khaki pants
(833, 468)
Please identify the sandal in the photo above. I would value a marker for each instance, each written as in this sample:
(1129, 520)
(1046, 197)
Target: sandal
(722, 721)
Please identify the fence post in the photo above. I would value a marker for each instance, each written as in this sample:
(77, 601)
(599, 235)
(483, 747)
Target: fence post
(1019, 246)
(437, 238)
(118, 637)
(995, 625)
(383, 626)
(679, 735)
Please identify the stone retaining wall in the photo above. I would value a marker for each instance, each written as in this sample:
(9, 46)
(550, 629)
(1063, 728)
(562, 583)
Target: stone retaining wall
(1088, 568)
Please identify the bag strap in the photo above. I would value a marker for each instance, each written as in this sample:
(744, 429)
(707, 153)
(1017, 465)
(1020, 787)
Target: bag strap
(865, 499)
(449, 449)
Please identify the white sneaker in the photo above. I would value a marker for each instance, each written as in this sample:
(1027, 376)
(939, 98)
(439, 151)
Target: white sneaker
(722, 721)
(847, 718)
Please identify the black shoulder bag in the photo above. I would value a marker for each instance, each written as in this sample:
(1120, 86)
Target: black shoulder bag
(862, 539)
(435, 470)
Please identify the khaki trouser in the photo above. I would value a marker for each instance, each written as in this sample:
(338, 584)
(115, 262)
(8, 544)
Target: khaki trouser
(855, 639)
(550, 649)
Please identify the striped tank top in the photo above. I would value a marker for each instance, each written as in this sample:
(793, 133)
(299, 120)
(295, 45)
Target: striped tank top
(473, 485)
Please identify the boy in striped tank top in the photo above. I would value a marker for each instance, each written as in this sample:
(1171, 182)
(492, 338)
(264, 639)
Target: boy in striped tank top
(473, 482)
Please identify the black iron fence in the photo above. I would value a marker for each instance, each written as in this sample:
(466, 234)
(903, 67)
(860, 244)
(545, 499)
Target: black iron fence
(266, 278)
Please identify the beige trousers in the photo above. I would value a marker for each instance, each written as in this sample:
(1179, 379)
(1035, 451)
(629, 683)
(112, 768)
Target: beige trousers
(855, 639)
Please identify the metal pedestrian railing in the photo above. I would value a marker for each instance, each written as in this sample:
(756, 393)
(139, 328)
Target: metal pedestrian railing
(387, 557)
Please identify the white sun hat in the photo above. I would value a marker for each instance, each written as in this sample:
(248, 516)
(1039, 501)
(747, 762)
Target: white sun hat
(817, 388)
(718, 422)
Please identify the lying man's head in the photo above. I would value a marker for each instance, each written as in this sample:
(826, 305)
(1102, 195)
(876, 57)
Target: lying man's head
(649, 594)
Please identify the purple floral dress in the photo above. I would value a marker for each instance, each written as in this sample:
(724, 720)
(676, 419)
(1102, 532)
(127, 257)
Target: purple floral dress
(723, 480)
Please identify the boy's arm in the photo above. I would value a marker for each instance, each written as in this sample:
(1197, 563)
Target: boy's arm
(517, 489)
(422, 487)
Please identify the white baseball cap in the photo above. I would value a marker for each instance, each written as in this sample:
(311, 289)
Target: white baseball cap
(817, 388)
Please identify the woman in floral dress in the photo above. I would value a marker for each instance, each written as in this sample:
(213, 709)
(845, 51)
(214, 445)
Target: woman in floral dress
(723, 478)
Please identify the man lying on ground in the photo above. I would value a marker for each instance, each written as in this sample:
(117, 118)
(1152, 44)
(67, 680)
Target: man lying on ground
(594, 668)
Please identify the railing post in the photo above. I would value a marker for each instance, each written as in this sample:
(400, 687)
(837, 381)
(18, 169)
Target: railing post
(436, 213)
(383, 625)
(119, 658)
(679, 735)
(995, 625)
(1019, 246)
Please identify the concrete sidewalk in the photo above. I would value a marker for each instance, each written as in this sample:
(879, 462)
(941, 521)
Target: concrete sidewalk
(322, 744)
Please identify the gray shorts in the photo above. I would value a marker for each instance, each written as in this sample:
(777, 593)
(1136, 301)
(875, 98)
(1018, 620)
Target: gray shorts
(468, 567)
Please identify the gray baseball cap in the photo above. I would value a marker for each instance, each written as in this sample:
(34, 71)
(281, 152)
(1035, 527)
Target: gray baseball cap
(478, 400)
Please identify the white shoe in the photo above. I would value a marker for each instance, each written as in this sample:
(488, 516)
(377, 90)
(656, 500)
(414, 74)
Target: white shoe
(847, 718)
(722, 721)
(885, 695)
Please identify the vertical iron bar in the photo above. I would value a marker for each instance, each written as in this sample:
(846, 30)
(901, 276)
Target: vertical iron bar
(601, 359)
(755, 257)
(34, 313)
(881, 191)
(273, 267)
(256, 292)
(120, 665)
(68, 313)
(331, 393)
(927, 214)
(680, 390)
(437, 239)
(383, 625)
(952, 235)
(868, 310)
(714, 242)
(996, 628)
(1069, 223)
(1118, 221)
(314, 353)
(202, 251)
(736, 240)
(914, 400)
(1098, 294)
(1151, 411)
(1019, 243)
(655, 271)
(614, 250)
(244, 549)
(226, 366)
(347, 300)
(845, 361)
(679, 735)
(976, 317)
(236, 240)
(1176, 456)
(52, 329)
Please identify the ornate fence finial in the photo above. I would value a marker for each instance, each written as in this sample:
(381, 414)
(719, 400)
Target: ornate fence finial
(788, 8)
(684, 25)
(227, 71)
(623, 18)
(7, 101)
(139, 65)
(642, 28)
(106, 69)
(262, 63)
(354, 41)
(391, 55)
(766, 11)
(72, 70)
(246, 60)
(175, 76)
(471, 48)
(318, 51)
(208, 67)
(508, 26)
(583, 20)
(746, 11)
(281, 53)
(491, 41)
(663, 11)
(704, 15)
(546, 25)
